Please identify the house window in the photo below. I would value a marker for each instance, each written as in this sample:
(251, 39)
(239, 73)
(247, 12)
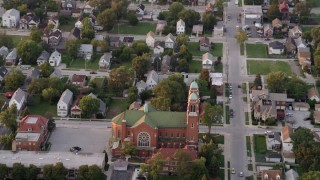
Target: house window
(192, 125)
(166, 134)
(128, 133)
(177, 135)
(119, 133)
(143, 139)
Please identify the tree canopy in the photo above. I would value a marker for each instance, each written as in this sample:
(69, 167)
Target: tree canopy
(107, 19)
(14, 79)
(277, 81)
(120, 78)
(89, 106)
(29, 51)
(72, 47)
(212, 114)
(141, 65)
(241, 36)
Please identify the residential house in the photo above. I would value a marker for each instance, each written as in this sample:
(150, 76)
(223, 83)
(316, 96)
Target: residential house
(85, 51)
(140, 9)
(105, 61)
(272, 174)
(11, 18)
(204, 44)
(32, 133)
(65, 101)
(65, 12)
(273, 140)
(33, 74)
(287, 154)
(44, 57)
(288, 157)
(207, 61)
(3, 73)
(217, 82)
(267, 31)
(152, 79)
(291, 175)
(300, 106)
(252, 12)
(68, 4)
(75, 110)
(76, 13)
(102, 106)
(166, 64)
(4, 51)
(304, 57)
(290, 46)
(181, 27)
(150, 39)
(300, 43)
(54, 37)
(57, 74)
(78, 24)
(128, 41)
(136, 105)
(209, 8)
(277, 25)
(28, 21)
(18, 98)
(115, 42)
(141, 86)
(54, 21)
(87, 8)
(160, 26)
(55, 59)
(170, 41)
(276, 47)
(12, 57)
(218, 31)
(313, 94)
(274, 157)
(197, 29)
(284, 10)
(75, 33)
(295, 32)
(158, 47)
(79, 80)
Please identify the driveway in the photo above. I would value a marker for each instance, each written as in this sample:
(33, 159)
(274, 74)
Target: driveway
(297, 119)
(92, 137)
(294, 68)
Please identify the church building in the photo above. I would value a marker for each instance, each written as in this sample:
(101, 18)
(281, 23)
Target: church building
(150, 129)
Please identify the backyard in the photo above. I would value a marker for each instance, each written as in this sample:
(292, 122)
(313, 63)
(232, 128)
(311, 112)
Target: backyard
(78, 63)
(68, 25)
(116, 107)
(141, 29)
(216, 138)
(195, 66)
(265, 67)
(260, 147)
(193, 48)
(42, 107)
(16, 39)
(256, 50)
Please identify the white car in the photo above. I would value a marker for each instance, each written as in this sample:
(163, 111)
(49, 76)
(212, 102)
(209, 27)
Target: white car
(233, 171)
(267, 132)
(241, 174)
(230, 96)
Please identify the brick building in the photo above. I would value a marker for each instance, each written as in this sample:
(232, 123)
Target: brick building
(150, 129)
(32, 133)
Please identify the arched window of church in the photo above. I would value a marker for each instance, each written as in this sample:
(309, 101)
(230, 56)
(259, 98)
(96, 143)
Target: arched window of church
(143, 139)
(192, 108)
(119, 134)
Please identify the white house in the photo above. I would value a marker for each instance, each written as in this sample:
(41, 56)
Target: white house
(273, 141)
(300, 43)
(158, 47)
(150, 40)
(64, 103)
(18, 98)
(181, 27)
(54, 20)
(207, 61)
(169, 41)
(11, 18)
(313, 94)
(141, 86)
(291, 175)
(152, 79)
(55, 58)
(85, 51)
(78, 24)
(87, 8)
(276, 47)
(287, 154)
(105, 61)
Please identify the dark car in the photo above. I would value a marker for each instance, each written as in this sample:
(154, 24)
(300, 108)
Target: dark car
(93, 72)
(231, 113)
(75, 149)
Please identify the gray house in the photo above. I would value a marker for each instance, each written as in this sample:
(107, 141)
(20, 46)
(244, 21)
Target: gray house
(4, 51)
(204, 44)
(54, 37)
(12, 57)
(44, 57)
(105, 61)
(102, 106)
(166, 64)
(56, 73)
(3, 72)
(65, 101)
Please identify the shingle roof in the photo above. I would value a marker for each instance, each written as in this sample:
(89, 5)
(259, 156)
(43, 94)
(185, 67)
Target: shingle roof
(66, 96)
(171, 37)
(75, 32)
(44, 55)
(169, 152)
(181, 23)
(150, 34)
(32, 121)
(3, 71)
(12, 54)
(272, 174)
(18, 95)
(155, 119)
(274, 155)
(78, 78)
(207, 56)
(286, 132)
(276, 23)
(276, 45)
(35, 73)
(56, 73)
(4, 51)
(128, 39)
(11, 12)
(204, 40)
(153, 75)
(313, 92)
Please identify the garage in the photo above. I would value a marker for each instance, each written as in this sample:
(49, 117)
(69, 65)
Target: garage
(301, 106)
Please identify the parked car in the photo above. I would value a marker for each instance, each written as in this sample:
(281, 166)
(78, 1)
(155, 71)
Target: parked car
(239, 86)
(267, 39)
(241, 174)
(93, 72)
(233, 171)
(267, 132)
(75, 149)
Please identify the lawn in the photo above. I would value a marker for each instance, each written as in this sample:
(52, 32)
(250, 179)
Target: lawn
(98, 81)
(193, 48)
(117, 106)
(195, 66)
(16, 39)
(217, 49)
(314, 3)
(250, 168)
(256, 50)
(68, 26)
(247, 118)
(126, 64)
(218, 68)
(260, 146)
(265, 67)
(41, 107)
(216, 138)
(244, 88)
(82, 64)
(141, 29)
(227, 115)
(248, 144)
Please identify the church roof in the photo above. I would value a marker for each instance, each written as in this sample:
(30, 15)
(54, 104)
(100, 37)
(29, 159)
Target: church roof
(149, 115)
(193, 96)
(194, 85)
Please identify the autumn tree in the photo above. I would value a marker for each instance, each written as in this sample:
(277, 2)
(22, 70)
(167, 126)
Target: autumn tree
(14, 79)
(29, 51)
(311, 175)
(184, 161)
(277, 81)
(212, 114)
(133, 20)
(107, 19)
(129, 149)
(46, 69)
(132, 94)
(182, 39)
(204, 75)
(36, 35)
(120, 7)
(154, 165)
(72, 47)
(141, 65)
(89, 106)
(273, 11)
(241, 36)
(120, 78)
(302, 10)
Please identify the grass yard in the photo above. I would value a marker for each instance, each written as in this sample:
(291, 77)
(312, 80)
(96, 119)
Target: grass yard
(242, 49)
(265, 67)
(227, 115)
(244, 88)
(248, 144)
(217, 49)
(216, 138)
(42, 108)
(193, 48)
(82, 64)
(256, 50)
(218, 68)
(16, 39)
(247, 118)
(141, 29)
(260, 146)
(250, 167)
(68, 26)
(126, 64)
(117, 106)
(98, 81)
(195, 66)
(314, 3)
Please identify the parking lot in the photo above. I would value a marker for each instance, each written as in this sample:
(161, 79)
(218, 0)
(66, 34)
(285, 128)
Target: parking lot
(297, 119)
(92, 137)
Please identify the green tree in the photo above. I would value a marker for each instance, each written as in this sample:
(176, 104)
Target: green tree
(132, 94)
(212, 114)
(14, 79)
(296, 88)
(32, 172)
(311, 175)
(18, 171)
(51, 5)
(204, 75)
(37, 85)
(120, 78)
(199, 169)
(257, 81)
(214, 166)
(182, 66)
(6, 40)
(87, 30)
(277, 81)
(120, 7)
(127, 54)
(302, 10)
(35, 35)
(174, 9)
(253, 2)
(241, 36)
(8, 117)
(129, 149)
(3, 171)
(141, 65)
(184, 53)
(155, 165)
(51, 122)
(48, 171)
(107, 19)
(140, 47)
(6, 140)
(301, 136)
(101, 5)
(144, 95)
(208, 20)
(29, 51)
(23, 8)
(89, 106)
(307, 155)
(273, 11)
(183, 162)
(161, 103)
(182, 39)
(95, 173)
(46, 69)
(83, 172)
(72, 47)
(190, 17)
(59, 171)
(315, 34)
(49, 94)
(133, 20)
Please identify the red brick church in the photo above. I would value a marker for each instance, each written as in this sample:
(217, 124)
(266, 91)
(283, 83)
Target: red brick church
(151, 130)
